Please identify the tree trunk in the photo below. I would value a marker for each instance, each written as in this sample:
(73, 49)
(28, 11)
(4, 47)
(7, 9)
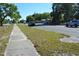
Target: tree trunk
(1, 23)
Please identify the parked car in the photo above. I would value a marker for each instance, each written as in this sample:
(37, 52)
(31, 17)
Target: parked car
(72, 23)
(31, 24)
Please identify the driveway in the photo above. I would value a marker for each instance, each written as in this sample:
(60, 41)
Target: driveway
(74, 32)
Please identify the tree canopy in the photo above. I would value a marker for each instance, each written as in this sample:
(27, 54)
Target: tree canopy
(63, 12)
(7, 9)
(38, 17)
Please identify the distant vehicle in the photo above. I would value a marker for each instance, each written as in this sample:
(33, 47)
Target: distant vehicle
(31, 24)
(72, 23)
(38, 24)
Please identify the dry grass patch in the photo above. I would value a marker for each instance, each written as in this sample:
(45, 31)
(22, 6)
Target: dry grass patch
(48, 43)
(4, 37)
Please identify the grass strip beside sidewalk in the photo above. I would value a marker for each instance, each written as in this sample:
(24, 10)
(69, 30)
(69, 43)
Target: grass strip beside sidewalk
(4, 37)
(48, 43)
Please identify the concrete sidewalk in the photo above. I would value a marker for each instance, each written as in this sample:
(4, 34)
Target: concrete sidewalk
(19, 45)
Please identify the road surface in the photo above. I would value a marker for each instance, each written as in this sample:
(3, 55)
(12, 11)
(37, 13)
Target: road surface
(74, 32)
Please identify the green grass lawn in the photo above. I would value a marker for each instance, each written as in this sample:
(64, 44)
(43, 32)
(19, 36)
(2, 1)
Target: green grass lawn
(48, 44)
(4, 37)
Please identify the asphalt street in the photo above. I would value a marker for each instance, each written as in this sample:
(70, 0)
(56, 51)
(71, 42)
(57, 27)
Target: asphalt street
(74, 32)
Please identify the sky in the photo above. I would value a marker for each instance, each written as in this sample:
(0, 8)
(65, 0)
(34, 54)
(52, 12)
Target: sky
(26, 9)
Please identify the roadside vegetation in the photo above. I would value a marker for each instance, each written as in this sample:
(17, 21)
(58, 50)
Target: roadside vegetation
(48, 43)
(4, 37)
(61, 13)
(8, 10)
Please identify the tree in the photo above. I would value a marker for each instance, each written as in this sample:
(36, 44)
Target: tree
(7, 10)
(45, 16)
(37, 16)
(76, 10)
(56, 7)
(62, 12)
(16, 16)
(22, 21)
(68, 9)
(29, 18)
